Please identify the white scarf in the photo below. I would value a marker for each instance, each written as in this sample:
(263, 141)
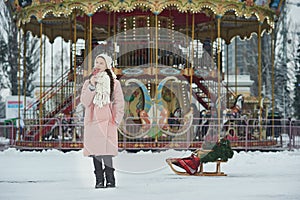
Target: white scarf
(102, 96)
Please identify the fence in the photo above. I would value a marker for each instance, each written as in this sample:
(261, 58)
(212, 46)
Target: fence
(244, 134)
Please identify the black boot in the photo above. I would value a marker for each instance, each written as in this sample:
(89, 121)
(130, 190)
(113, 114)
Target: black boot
(99, 179)
(98, 172)
(110, 177)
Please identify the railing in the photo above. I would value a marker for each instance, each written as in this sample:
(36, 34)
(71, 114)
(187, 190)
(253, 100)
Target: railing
(244, 134)
(54, 98)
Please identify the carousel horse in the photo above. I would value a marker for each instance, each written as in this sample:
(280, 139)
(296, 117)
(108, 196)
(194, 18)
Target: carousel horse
(144, 115)
(258, 123)
(234, 111)
(163, 119)
(145, 121)
(261, 110)
(186, 123)
(203, 125)
(174, 119)
(231, 118)
(150, 110)
(181, 121)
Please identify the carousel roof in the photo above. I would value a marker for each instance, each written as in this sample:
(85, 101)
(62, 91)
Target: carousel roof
(57, 16)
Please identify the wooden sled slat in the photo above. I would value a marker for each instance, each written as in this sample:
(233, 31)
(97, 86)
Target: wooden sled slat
(216, 173)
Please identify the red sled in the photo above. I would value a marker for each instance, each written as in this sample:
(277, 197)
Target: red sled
(189, 164)
(193, 165)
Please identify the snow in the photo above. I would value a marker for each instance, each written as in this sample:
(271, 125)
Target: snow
(294, 11)
(145, 175)
(4, 141)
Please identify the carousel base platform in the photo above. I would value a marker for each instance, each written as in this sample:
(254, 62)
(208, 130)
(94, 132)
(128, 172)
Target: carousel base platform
(69, 145)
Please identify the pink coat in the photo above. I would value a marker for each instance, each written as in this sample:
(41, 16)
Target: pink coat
(100, 127)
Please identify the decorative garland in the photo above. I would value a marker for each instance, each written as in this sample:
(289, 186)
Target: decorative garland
(220, 151)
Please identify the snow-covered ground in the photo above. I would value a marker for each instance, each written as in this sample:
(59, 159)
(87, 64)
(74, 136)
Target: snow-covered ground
(145, 175)
(4, 141)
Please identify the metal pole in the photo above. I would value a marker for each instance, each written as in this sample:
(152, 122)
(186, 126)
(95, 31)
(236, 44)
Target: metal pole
(219, 74)
(236, 67)
(191, 69)
(19, 85)
(227, 75)
(156, 67)
(273, 81)
(259, 77)
(90, 46)
(74, 76)
(41, 83)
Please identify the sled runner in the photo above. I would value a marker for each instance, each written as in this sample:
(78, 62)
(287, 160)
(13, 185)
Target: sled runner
(193, 165)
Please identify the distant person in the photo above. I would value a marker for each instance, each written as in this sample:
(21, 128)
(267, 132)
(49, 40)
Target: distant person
(103, 100)
(196, 122)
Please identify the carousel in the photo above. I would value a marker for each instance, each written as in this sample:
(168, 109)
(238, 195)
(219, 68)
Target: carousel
(169, 57)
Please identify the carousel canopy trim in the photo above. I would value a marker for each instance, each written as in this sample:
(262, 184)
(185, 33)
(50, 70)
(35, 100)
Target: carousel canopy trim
(26, 9)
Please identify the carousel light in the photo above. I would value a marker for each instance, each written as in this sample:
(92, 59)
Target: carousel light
(125, 28)
(148, 22)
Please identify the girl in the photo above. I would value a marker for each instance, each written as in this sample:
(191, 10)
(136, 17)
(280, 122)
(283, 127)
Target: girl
(103, 100)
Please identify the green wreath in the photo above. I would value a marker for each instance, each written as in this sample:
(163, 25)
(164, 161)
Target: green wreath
(220, 151)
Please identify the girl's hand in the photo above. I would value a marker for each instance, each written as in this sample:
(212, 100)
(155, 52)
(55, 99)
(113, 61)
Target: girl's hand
(93, 80)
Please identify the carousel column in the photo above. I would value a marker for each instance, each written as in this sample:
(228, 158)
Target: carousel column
(236, 65)
(63, 89)
(19, 86)
(219, 73)
(52, 66)
(259, 78)
(192, 59)
(156, 69)
(187, 39)
(273, 81)
(115, 42)
(227, 75)
(41, 83)
(74, 77)
(24, 70)
(85, 46)
(24, 83)
(44, 72)
(191, 134)
(90, 43)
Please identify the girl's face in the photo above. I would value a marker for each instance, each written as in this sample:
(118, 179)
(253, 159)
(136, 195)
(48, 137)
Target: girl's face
(100, 64)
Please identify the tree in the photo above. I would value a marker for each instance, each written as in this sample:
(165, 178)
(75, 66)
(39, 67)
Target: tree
(3, 64)
(9, 50)
(248, 53)
(32, 64)
(11, 56)
(296, 104)
(285, 63)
